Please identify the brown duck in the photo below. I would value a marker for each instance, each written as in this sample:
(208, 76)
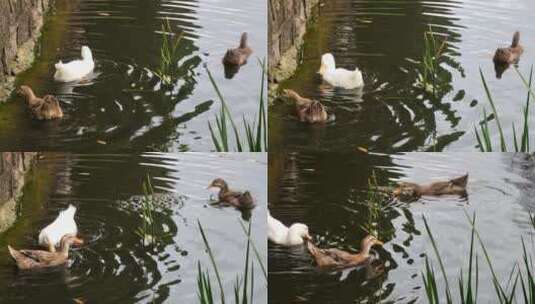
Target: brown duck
(39, 259)
(511, 54)
(336, 258)
(242, 200)
(456, 186)
(45, 108)
(308, 110)
(239, 55)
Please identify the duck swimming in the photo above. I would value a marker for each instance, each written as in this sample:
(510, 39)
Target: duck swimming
(45, 108)
(308, 110)
(239, 55)
(241, 200)
(336, 258)
(455, 186)
(76, 69)
(511, 54)
(50, 237)
(39, 259)
(279, 234)
(339, 77)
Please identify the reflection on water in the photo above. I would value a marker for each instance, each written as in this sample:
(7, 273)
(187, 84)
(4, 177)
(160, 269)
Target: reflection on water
(113, 264)
(122, 105)
(385, 39)
(328, 193)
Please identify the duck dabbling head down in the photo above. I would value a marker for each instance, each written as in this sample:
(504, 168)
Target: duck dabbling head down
(336, 258)
(455, 186)
(234, 198)
(238, 56)
(511, 54)
(308, 110)
(38, 259)
(45, 108)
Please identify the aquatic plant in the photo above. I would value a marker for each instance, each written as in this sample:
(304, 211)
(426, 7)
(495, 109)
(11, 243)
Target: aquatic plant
(148, 231)
(429, 66)
(255, 131)
(483, 136)
(373, 203)
(169, 54)
(244, 285)
(468, 283)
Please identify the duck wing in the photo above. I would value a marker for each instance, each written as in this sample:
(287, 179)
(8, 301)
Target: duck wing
(27, 259)
(39, 256)
(327, 257)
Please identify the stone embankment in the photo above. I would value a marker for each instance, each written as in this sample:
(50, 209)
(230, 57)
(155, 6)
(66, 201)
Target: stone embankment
(287, 24)
(13, 167)
(20, 26)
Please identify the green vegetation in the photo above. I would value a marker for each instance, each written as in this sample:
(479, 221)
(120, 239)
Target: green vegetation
(148, 231)
(468, 282)
(373, 203)
(483, 136)
(429, 66)
(243, 292)
(169, 55)
(255, 131)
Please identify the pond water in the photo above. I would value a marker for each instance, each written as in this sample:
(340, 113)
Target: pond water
(113, 266)
(121, 106)
(385, 39)
(328, 193)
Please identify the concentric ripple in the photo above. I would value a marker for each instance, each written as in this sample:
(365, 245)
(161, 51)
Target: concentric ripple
(116, 264)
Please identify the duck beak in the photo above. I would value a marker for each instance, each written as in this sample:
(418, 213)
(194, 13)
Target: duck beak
(377, 242)
(397, 191)
(78, 241)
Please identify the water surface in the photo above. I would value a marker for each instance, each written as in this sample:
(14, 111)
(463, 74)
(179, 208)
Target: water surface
(114, 266)
(328, 192)
(385, 39)
(122, 106)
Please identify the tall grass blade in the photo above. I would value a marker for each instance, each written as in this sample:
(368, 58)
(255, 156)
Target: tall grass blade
(441, 264)
(214, 264)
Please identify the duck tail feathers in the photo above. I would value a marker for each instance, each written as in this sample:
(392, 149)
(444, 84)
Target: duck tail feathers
(243, 41)
(516, 39)
(70, 211)
(460, 181)
(14, 253)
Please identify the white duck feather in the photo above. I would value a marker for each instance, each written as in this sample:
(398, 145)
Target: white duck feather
(339, 77)
(279, 234)
(63, 224)
(76, 69)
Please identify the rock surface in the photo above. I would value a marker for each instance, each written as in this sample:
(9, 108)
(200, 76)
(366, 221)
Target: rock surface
(20, 26)
(13, 166)
(287, 22)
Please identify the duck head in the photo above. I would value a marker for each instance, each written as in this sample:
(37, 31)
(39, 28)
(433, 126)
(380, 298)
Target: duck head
(86, 53)
(66, 241)
(218, 183)
(298, 232)
(368, 242)
(25, 91)
(327, 63)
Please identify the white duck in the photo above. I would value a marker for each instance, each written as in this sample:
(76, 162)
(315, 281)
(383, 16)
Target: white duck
(279, 234)
(51, 235)
(76, 69)
(339, 77)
